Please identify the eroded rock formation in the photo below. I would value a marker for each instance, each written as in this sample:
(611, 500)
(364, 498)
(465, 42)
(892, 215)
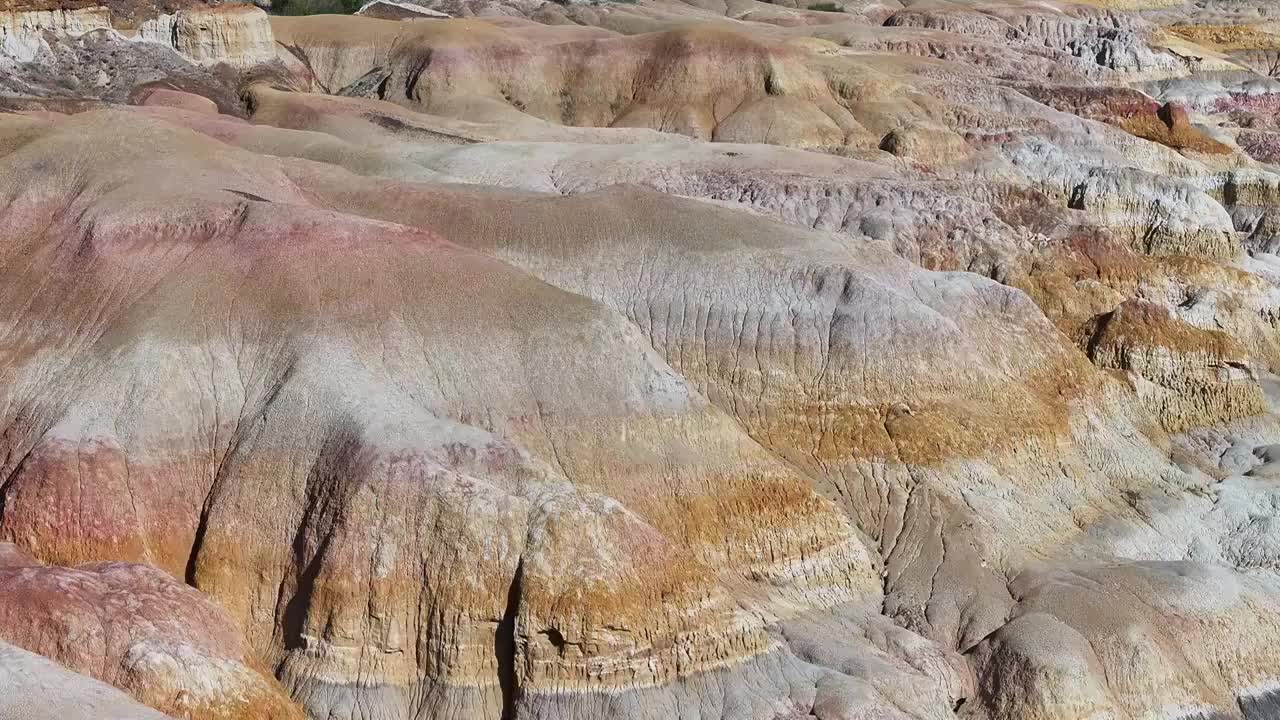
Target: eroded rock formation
(138, 628)
(513, 359)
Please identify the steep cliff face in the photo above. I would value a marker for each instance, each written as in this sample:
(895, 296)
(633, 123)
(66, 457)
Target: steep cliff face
(238, 35)
(123, 51)
(1191, 377)
(23, 32)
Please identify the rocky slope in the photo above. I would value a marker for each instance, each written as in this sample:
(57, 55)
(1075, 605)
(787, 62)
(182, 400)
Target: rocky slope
(509, 359)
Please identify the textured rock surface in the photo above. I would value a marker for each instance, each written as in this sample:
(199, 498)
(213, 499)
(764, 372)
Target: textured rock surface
(517, 457)
(516, 359)
(137, 628)
(22, 34)
(237, 35)
(79, 51)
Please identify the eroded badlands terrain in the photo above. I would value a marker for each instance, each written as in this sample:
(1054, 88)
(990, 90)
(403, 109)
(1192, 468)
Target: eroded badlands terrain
(696, 360)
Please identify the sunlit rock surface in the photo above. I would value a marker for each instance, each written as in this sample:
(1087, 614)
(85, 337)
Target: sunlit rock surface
(715, 361)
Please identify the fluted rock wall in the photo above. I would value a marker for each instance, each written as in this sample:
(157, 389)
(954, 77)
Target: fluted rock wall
(22, 33)
(238, 35)
(235, 34)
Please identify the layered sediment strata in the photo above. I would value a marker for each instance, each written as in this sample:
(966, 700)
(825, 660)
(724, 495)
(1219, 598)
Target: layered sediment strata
(237, 35)
(1191, 377)
(490, 379)
(640, 597)
(85, 54)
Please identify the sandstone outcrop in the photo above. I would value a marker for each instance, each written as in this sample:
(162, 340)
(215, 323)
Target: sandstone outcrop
(1130, 640)
(710, 83)
(237, 35)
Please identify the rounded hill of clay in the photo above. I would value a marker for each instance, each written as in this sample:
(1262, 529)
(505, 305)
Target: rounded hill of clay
(611, 502)
(137, 628)
(521, 359)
